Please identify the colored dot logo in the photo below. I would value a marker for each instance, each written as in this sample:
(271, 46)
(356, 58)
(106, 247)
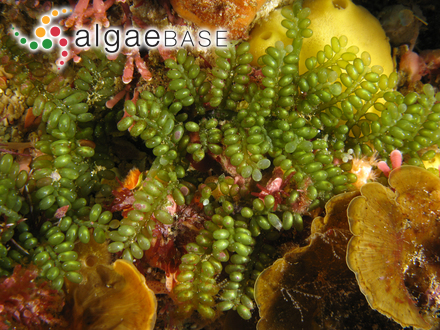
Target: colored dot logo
(48, 35)
(55, 31)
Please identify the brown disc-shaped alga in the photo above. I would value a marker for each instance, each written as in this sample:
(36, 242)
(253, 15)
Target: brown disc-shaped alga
(395, 250)
(311, 287)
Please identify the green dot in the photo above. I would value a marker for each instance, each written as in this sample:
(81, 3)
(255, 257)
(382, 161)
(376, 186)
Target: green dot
(33, 45)
(16, 34)
(47, 43)
(23, 40)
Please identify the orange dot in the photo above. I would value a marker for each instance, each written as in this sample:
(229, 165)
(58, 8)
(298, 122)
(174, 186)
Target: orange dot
(55, 13)
(40, 32)
(64, 11)
(45, 20)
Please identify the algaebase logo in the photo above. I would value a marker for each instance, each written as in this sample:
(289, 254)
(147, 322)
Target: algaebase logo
(48, 35)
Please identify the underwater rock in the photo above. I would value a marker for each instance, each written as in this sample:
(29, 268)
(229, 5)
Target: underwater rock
(401, 24)
(312, 287)
(395, 249)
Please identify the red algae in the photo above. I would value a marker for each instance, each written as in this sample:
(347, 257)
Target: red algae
(27, 302)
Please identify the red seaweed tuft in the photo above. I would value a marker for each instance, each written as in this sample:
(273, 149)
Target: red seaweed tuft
(29, 302)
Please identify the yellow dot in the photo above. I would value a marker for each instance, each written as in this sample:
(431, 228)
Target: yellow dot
(40, 32)
(55, 13)
(45, 20)
(64, 11)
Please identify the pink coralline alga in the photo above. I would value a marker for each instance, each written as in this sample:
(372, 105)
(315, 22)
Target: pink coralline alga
(96, 12)
(396, 162)
(134, 57)
(86, 15)
(417, 66)
(25, 301)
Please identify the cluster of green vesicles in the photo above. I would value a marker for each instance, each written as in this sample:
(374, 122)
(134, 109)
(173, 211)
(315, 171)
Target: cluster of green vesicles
(295, 128)
(12, 206)
(303, 124)
(70, 170)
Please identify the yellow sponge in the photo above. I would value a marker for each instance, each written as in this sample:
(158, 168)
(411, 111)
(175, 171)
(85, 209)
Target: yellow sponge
(330, 18)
